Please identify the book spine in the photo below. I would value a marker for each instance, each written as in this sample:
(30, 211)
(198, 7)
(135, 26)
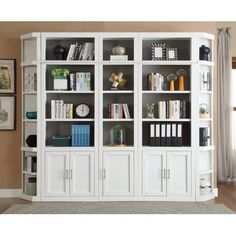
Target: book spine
(53, 107)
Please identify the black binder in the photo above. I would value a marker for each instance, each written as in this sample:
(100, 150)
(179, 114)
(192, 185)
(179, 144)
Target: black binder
(157, 135)
(152, 135)
(179, 135)
(168, 134)
(163, 134)
(174, 135)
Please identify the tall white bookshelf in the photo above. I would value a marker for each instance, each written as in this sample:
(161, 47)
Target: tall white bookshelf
(31, 99)
(134, 170)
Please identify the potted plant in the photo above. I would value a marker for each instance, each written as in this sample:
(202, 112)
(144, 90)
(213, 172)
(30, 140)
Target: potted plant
(60, 80)
(203, 111)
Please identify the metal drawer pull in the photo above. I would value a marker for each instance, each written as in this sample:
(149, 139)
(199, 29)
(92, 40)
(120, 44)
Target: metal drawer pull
(66, 174)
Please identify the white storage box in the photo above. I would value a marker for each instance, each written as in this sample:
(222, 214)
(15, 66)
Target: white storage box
(60, 84)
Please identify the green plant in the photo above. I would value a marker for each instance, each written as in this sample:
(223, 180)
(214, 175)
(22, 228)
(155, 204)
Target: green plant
(60, 72)
(203, 110)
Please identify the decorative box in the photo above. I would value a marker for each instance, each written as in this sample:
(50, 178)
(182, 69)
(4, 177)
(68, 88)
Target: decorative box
(61, 141)
(60, 84)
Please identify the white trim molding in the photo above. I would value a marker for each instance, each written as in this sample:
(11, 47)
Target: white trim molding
(10, 193)
(215, 192)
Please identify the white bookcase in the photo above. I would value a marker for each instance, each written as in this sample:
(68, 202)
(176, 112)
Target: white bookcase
(103, 170)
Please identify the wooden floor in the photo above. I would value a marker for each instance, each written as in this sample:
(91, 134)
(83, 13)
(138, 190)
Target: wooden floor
(226, 190)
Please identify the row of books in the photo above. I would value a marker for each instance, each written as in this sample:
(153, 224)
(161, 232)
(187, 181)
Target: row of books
(80, 81)
(30, 164)
(156, 82)
(61, 110)
(165, 134)
(172, 109)
(118, 111)
(81, 52)
(80, 136)
(30, 82)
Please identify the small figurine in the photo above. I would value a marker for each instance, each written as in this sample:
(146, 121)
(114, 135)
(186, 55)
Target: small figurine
(118, 81)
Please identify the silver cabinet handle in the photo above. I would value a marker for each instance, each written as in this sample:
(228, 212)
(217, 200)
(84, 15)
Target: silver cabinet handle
(70, 174)
(164, 173)
(168, 174)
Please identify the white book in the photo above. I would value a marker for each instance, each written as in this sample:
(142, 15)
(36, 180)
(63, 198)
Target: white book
(168, 130)
(29, 163)
(118, 57)
(173, 130)
(53, 109)
(163, 130)
(56, 109)
(126, 110)
(163, 109)
(152, 131)
(179, 130)
(60, 105)
(70, 53)
(64, 111)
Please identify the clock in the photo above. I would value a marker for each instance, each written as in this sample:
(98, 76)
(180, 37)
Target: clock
(82, 110)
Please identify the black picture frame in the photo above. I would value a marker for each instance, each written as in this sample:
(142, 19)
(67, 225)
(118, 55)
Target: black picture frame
(7, 112)
(7, 76)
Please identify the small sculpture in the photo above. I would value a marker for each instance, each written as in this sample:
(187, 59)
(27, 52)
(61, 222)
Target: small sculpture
(171, 78)
(118, 50)
(204, 53)
(118, 81)
(59, 52)
(181, 73)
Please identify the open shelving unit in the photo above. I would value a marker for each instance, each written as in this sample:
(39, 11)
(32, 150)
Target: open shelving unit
(133, 169)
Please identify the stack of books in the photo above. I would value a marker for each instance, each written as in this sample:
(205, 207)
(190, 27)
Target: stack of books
(30, 82)
(83, 81)
(172, 109)
(116, 111)
(83, 52)
(59, 110)
(80, 135)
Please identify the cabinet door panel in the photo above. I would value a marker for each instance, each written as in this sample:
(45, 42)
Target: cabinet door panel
(179, 173)
(82, 174)
(55, 176)
(118, 179)
(154, 182)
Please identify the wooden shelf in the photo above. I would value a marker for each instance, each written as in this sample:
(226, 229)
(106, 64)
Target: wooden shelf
(205, 92)
(28, 63)
(166, 120)
(30, 121)
(112, 120)
(179, 148)
(118, 62)
(68, 120)
(203, 172)
(180, 62)
(206, 63)
(68, 92)
(30, 93)
(117, 91)
(29, 149)
(29, 173)
(205, 119)
(166, 92)
(71, 62)
(207, 148)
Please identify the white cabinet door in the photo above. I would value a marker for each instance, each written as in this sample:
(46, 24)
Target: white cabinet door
(154, 173)
(179, 173)
(82, 174)
(118, 173)
(56, 174)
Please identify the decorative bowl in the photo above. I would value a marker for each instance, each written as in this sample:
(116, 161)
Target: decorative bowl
(31, 114)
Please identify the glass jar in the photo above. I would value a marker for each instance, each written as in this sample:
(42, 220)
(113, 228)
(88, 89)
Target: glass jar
(150, 110)
(118, 136)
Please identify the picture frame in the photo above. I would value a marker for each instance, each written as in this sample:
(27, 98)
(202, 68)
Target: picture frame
(171, 54)
(7, 112)
(7, 76)
(158, 51)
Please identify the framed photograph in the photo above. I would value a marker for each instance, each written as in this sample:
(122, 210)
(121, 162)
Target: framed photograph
(158, 51)
(7, 112)
(171, 54)
(7, 75)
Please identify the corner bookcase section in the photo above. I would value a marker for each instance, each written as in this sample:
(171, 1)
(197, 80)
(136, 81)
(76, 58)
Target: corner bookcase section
(120, 116)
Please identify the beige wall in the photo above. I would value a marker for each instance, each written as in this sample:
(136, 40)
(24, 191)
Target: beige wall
(10, 160)
(232, 25)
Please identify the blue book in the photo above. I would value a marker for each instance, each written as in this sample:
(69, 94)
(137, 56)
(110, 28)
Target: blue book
(72, 134)
(76, 136)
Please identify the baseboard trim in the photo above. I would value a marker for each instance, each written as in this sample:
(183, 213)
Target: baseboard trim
(215, 192)
(10, 193)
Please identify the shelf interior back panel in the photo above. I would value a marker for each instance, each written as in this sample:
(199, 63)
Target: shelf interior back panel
(72, 69)
(127, 43)
(165, 70)
(61, 128)
(128, 74)
(64, 42)
(183, 47)
(75, 99)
